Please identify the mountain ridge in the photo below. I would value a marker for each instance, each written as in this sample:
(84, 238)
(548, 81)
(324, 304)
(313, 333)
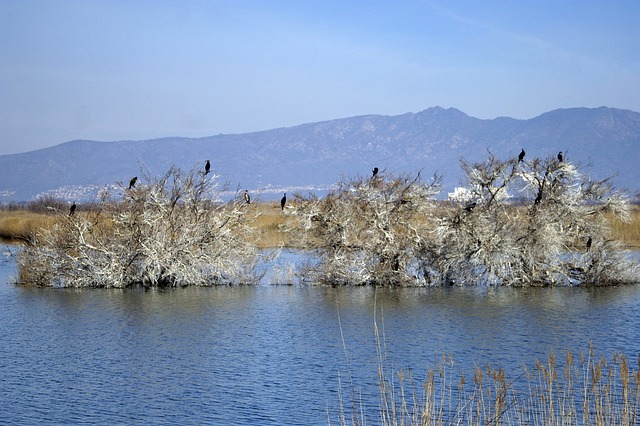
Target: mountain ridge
(317, 154)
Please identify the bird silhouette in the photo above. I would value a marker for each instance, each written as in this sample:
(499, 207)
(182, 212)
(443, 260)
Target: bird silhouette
(283, 201)
(521, 156)
(133, 181)
(560, 157)
(207, 167)
(375, 172)
(247, 198)
(538, 197)
(72, 210)
(469, 207)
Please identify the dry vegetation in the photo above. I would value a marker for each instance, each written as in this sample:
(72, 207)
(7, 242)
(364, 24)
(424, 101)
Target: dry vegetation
(21, 225)
(384, 230)
(587, 389)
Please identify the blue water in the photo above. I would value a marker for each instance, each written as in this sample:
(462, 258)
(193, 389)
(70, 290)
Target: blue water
(272, 354)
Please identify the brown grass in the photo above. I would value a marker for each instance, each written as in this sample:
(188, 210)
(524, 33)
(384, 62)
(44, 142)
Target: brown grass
(628, 233)
(22, 225)
(270, 224)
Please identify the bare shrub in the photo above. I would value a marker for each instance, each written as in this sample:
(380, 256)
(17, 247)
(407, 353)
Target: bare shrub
(538, 222)
(366, 231)
(167, 231)
(558, 234)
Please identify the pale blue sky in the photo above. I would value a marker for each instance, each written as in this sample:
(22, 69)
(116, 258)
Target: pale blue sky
(127, 69)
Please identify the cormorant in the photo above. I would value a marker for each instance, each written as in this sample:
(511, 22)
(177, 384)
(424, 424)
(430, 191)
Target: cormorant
(589, 243)
(207, 167)
(560, 157)
(247, 198)
(521, 156)
(375, 172)
(538, 197)
(469, 207)
(133, 181)
(72, 210)
(283, 201)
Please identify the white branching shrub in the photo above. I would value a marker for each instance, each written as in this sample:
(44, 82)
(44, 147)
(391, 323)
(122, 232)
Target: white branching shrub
(167, 231)
(366, 231)
(538, 222)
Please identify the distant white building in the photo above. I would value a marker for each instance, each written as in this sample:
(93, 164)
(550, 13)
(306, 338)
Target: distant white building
(460, 195)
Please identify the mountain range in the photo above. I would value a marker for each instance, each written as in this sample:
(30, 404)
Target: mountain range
(313, 156)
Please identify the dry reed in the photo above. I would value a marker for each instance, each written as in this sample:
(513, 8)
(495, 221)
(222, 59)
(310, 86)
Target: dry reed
(592, 390)
(271, 224)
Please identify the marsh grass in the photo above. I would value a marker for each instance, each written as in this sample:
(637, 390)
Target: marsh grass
(21, 225)
(590, 389)
(627, 233)
(271, 225)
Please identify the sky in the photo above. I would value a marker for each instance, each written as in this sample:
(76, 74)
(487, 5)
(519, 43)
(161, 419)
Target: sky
(133, 69)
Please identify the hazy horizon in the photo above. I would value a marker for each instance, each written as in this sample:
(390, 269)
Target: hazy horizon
(116, 70)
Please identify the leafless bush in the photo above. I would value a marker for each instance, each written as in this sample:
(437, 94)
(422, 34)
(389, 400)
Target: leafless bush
(558, 234)
(366, 231)
(538, 222)
(168, 231)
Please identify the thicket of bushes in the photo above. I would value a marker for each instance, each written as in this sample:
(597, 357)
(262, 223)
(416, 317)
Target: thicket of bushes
(384, 230)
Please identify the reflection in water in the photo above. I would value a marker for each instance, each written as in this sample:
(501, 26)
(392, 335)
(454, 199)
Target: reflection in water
(272, 355)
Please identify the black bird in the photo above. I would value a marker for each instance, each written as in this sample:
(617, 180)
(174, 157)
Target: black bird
(375, 172)
(560, 157)
(589, 243)
(469, 207)
(72, 210)
(207, 167)
(133, 181)
(283, 201)
(538, 197)
(521, 156)
(247, 198)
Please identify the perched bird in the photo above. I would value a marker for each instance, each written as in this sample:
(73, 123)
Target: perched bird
(375, 172)
(207, 167)
(72, 210)
(538, 197)
(521, 156)
(247, 198)
(133, 181)
(283, 201)
(589, 241)
(469, 207)
(560, 157)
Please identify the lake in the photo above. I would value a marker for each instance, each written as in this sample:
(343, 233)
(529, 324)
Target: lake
(273, 354)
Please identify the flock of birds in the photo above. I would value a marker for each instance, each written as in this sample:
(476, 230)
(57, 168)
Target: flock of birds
(207, 170)
(283, 201)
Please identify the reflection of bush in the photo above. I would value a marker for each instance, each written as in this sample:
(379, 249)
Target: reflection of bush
(171, 231)
(387, 230)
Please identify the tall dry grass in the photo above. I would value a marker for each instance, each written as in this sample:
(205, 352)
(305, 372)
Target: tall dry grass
(23, 225)
(590, 389)
(627, 233)
(270, 224)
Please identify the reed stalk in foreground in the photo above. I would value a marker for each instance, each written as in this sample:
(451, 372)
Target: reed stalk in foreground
(591, 389)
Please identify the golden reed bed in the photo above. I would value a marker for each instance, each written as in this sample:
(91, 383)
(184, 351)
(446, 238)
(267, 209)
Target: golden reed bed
(270, 224)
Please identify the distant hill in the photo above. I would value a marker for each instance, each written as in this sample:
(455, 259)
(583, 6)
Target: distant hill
(315, 155)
